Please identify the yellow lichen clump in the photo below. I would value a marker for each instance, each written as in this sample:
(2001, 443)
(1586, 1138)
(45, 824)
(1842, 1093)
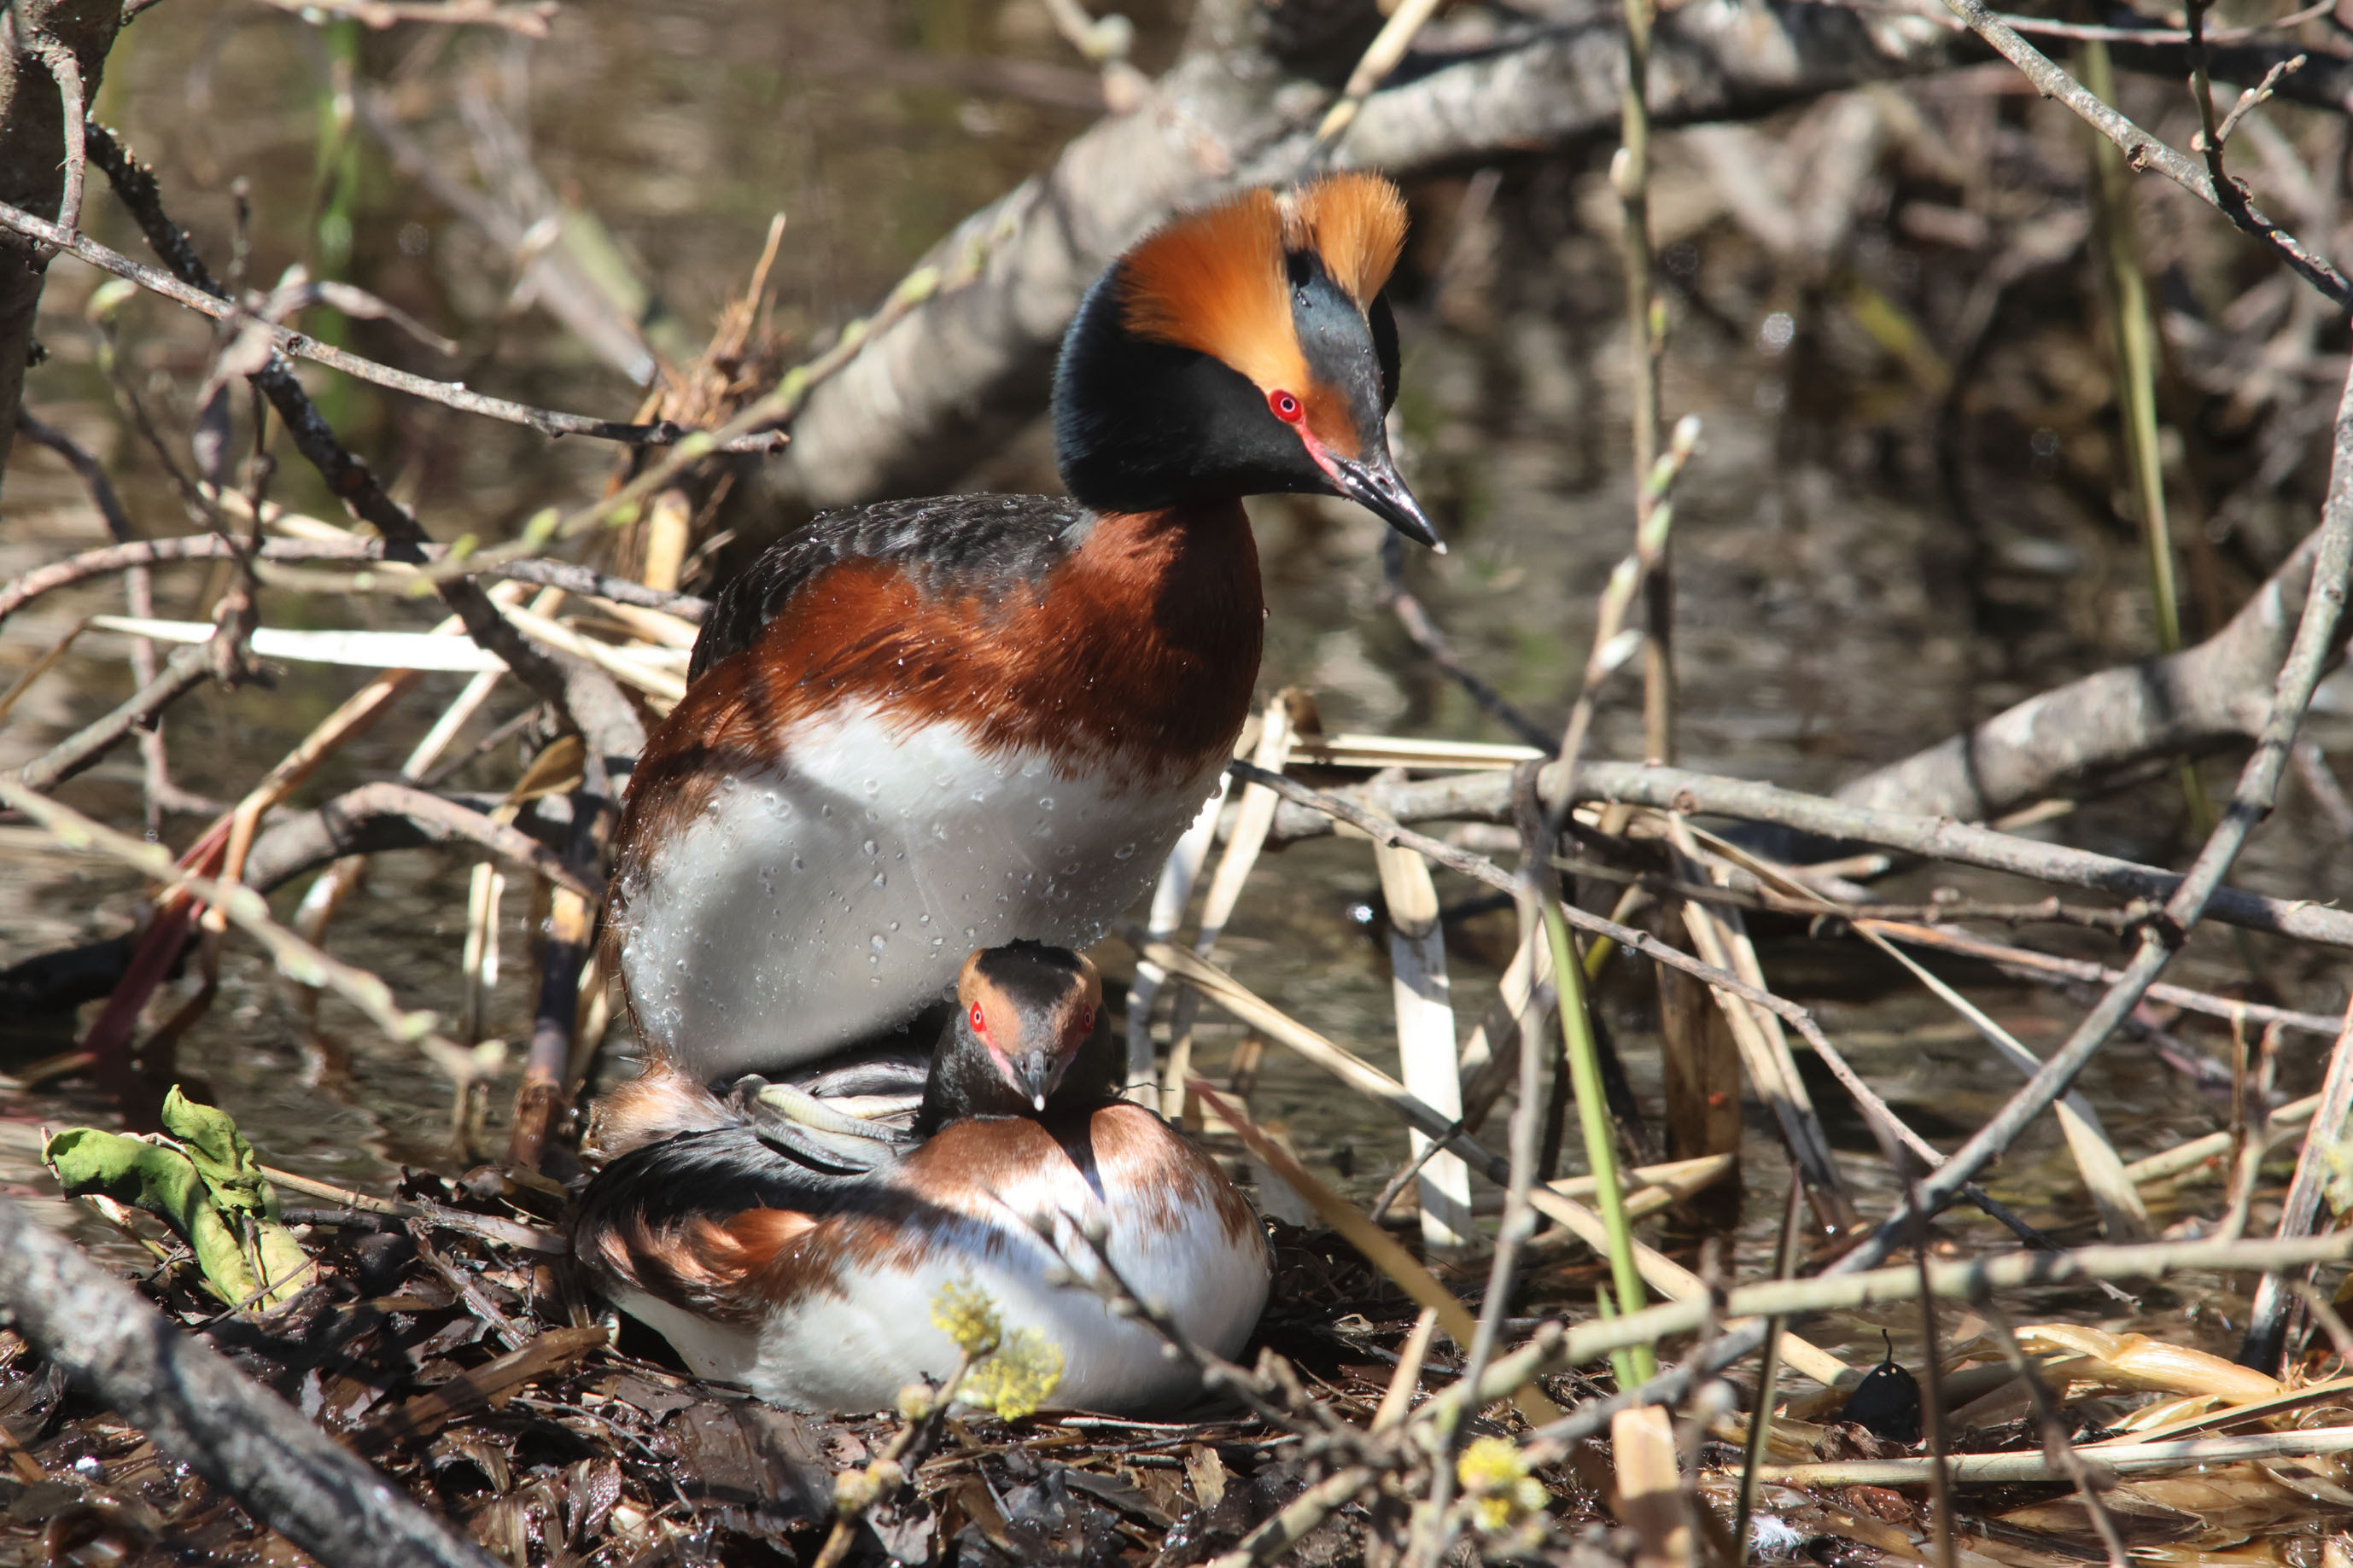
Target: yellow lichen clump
(1502, 1498)
(1012, 1373)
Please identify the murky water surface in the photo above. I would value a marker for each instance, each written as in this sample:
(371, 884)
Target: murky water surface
(1826, 619)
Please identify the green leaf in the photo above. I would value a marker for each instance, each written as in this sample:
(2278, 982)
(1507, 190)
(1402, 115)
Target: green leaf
(208, 1187)
(221, 1155)
(164, 1183)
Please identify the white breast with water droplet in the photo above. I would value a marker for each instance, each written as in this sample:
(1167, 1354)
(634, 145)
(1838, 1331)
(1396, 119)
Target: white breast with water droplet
(800, 912)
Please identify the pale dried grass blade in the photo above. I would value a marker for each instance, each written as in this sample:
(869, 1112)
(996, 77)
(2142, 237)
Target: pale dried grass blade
(1772, 1071)
(1491, 1057)
(2139, 1361)
(1169, 897)
(1660, 1271)
(2283, 1125)
(1379, 1247)
(1649, 1491)
(479, 971)
(657, 672)
(368, 650)
(2123, 1216)
(2123, 1458)
(1253, 815)
(1348, 749)
(1397, 1401)
(1425, 1029)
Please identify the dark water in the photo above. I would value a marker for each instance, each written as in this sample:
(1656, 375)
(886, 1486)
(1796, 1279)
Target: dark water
(1836, 609)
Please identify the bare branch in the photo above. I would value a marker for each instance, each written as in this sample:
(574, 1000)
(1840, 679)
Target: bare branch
(572, 579)
(2144, 152)
(529, 20)
(1487, 797)
(547, 421)
(2251, 802)
(2072, 737)
(188, 668)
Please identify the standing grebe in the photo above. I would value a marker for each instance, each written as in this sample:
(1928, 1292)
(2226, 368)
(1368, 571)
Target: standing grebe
(926, 726)
(805, 1264)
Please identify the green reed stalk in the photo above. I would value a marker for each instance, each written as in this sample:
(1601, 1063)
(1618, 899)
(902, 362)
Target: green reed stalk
(1593, 1120)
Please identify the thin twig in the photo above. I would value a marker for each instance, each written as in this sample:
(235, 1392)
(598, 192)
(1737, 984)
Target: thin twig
(2019, 960)
(2054, 1428)
(1415, 618)
(245, 908)
(21, 591)
(1373, 68)
(528, 20)
(2251, 802)
(582, 693)
(64, 66)
(1487, 797)
(2267, 1319)
(188, 668)
(2143, 152)
(301, 345)
(1646, 330)
(1769, 1376)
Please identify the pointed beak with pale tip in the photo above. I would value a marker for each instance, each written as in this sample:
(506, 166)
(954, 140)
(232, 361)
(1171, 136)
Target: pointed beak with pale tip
(1034, 1073)
(1376, 485)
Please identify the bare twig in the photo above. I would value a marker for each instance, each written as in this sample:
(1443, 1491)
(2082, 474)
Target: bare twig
(1380, 57)
(1769, 1377)
(2061, 1453)
(1427, 636)
(2321, 780)
(2268, 1318)
(573, 579)
(245, 908)
(301, 345)
(2144, 152)
(1487, 797)
(529, 20)
(584, 694)
(188, 668)
(2020, 959)
(138, 593)
(2251, 802)
(57, 58)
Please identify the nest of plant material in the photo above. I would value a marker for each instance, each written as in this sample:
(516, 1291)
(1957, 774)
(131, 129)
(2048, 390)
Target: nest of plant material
(471, 1371)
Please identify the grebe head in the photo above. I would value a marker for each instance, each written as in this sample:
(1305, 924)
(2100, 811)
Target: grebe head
(1025, 1037)
(1243, 350)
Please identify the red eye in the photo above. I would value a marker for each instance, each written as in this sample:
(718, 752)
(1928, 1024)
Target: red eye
(977, 1026)
(1286, 407)
(1086, 1023)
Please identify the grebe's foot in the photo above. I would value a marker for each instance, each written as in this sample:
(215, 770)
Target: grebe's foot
(802, 1126)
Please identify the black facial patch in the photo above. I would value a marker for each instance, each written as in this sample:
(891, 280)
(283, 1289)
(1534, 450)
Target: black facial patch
(1030, 974)
(1382, 321)
(1140, 424)
(1339, 345)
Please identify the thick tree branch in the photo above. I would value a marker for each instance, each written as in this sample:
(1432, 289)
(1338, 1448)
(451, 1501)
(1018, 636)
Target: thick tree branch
(957, 374)
(2075, 736)
(50, 51)
(1486, 797)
